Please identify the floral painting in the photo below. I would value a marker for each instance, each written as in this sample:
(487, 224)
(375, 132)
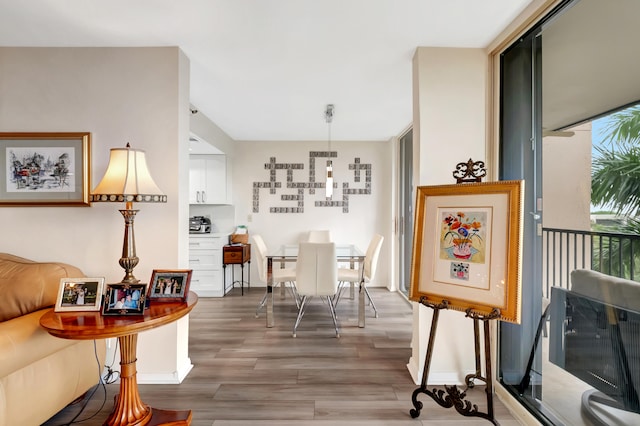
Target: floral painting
(467, 248)
(462, 235)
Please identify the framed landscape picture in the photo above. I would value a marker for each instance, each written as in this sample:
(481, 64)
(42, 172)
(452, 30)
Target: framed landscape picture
(169, 285)
(467, 247)
(79, 294)
(45, 169)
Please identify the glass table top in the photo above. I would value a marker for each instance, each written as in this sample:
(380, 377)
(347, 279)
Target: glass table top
(343, 251)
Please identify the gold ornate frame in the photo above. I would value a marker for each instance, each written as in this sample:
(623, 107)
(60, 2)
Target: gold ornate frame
(45, 169)
(449, 221)
(137, 293)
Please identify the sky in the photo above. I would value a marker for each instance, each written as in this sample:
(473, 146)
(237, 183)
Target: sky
(597, 127)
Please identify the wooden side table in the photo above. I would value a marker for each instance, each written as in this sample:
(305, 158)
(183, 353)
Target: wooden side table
(236, 255)
(128, 410)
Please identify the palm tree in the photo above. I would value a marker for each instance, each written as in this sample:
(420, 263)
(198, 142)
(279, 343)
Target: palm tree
(623, 126)
(615, 175)
(615, 179)
(615, 182)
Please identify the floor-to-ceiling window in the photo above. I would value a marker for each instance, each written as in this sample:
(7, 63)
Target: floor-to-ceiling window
(405, 216)
(573, 66)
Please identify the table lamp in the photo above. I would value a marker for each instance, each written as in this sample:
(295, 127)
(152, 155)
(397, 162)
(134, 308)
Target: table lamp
(128, 180)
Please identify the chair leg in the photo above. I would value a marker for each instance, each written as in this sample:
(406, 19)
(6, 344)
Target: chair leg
(261, 304)
(338, 295)
(332, 309)
(373, 305)
(300, 314)
(294, 294)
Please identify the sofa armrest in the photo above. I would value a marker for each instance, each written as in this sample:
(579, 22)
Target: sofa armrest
(27, 286)
(23, 341)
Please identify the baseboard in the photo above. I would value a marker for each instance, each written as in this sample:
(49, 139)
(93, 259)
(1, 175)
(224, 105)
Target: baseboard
(174, 378)
(435, 379)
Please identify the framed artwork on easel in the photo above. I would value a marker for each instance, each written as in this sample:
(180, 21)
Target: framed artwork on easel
(467, 247)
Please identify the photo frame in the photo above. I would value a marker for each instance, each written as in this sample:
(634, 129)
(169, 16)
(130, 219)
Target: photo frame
(45, 169)
(467, 247)
(79, 294)
(169, 285)
(124, 299)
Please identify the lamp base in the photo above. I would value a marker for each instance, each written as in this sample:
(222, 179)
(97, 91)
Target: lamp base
(129, 260)
(128, 263)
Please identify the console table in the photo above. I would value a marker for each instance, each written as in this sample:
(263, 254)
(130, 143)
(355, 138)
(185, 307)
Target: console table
(237, 254)
(128, 409)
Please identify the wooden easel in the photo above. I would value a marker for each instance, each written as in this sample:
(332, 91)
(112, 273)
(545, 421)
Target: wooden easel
(470, 171)
(451, 396)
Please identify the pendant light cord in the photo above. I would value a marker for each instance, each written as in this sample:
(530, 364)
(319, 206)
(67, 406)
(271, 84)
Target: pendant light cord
(328, 115)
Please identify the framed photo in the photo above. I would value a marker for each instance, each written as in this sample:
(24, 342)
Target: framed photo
(124, 299)
(467, 247)
(79, 294)
(169, 285)
(45, 169)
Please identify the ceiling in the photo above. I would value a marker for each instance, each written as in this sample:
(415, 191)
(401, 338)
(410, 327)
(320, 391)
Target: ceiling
(266, 69)
(587, 68)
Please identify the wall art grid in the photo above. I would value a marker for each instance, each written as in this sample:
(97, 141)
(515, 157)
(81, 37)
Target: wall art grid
(297, 197)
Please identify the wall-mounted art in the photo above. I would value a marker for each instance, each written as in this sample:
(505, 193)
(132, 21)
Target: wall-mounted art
(467, 247)
(300, 184)
(45, 169)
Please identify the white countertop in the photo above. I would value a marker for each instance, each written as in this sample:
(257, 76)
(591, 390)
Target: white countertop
(210, 235)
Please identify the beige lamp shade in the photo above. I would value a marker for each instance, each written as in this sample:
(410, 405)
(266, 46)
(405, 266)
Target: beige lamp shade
(127, 179)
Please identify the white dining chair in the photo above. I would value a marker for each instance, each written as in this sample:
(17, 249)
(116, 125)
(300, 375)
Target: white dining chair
(280, 276)
(319, 236)
(316, 275)
(366, 275)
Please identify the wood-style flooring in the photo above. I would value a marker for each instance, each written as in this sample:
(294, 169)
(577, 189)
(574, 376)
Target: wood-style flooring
(247, 374)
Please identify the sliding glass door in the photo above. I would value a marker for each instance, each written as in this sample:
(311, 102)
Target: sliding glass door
(520, 158)
(554, 80)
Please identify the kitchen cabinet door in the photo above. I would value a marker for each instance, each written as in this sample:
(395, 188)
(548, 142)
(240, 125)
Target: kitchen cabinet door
(208, 179)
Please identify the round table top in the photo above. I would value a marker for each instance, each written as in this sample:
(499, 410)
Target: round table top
(94, 325)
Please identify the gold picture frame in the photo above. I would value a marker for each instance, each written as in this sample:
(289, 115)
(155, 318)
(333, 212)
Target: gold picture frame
(79, 294)
(45, 169)
(467, 247)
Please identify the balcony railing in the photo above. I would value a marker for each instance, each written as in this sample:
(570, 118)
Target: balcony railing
(610, 253)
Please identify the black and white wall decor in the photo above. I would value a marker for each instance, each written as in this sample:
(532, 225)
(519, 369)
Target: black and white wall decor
(354, 179)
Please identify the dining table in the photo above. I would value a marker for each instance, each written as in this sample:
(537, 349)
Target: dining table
(345, 253)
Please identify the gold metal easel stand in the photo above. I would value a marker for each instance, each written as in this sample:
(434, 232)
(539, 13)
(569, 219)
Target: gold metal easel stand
(452, 396)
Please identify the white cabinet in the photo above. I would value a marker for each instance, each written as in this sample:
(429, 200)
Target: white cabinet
(208, 179)
(205, 259)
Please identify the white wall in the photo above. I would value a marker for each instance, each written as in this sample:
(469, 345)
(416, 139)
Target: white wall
(120, 95)
(208, 131)
(566, 181)
(368, 214)
(450, 104)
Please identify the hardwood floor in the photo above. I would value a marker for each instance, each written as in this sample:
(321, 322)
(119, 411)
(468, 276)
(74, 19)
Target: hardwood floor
(246, 374)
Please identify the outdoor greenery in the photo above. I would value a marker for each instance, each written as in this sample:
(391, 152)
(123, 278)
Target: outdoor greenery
(615, 178)
(615, 182)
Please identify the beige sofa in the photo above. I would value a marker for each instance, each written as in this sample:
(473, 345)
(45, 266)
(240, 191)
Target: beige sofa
(39, 374)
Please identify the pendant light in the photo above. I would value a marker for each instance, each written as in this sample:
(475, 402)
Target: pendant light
(328, 115)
